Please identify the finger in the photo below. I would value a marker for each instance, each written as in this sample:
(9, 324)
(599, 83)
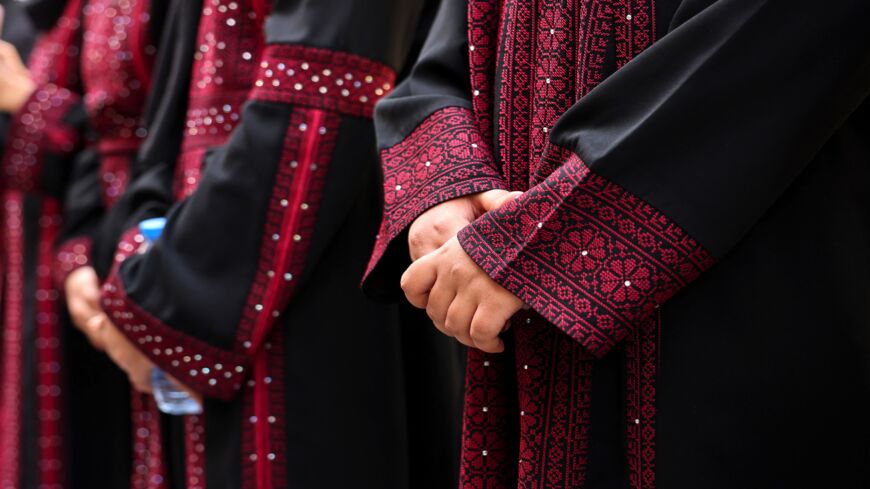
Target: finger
(418, 280)
(440, 297)
(429, 234)
(485, 328)
(458, 321)
(493, 199)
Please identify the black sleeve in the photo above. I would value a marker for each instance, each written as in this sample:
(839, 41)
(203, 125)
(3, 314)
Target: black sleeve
(149, 193)
(431, 145)
(667, 164)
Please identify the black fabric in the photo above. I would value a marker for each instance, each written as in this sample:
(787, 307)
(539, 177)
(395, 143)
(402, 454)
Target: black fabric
(43, 13)
(439, 78)
(746, 123)
(382, 30)
(714, 137)
(149, 193)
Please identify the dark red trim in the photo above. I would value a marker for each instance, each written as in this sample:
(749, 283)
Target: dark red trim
(483, 23)
(322, 79)
(194, 451)
(641, 367)
(38, 130)
(200, 366)
(592, 258)
(49, 397)
(13, 316)
(444, 158)
(289, 229)
(70, 256)
(149, 470)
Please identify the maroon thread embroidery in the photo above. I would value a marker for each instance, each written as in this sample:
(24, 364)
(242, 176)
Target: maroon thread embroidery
(38, 130)
(194, 451)
(489, 445)
(515, 97)
(70, 256)
(554, 420)
(444, 158)
(224, 71)
(641, 370)
(289, 228)
(625, 256)
(149, 471)
(322, 79)
(48, 355)
(10, 400)
(482, 48)
(202, 367)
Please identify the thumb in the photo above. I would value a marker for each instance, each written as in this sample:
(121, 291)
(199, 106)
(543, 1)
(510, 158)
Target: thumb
(493, 199)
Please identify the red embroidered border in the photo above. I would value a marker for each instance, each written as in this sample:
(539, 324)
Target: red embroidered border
(624, 258)
(70, 256)
(202, 367)
(482, 53)
(37, 131)
(194, 451)
(289, 228)
(224, 70)
(641, 366)
(149, 471)
(48, 353)
(444, 158)
(10, 400)
(322, 79)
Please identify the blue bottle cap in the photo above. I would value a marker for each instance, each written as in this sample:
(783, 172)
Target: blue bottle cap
(152, 228)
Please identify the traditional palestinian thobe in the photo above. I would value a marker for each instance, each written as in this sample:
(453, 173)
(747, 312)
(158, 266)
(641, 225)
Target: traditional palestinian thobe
(39, 141)
(692, 238)
(105, 46)
(250, 296)
(118, 51)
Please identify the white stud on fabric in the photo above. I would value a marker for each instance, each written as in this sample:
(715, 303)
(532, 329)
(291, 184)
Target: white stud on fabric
(628, 283)
(485, 453)
(246, 344)
(628, 17)
(636, 421)
(485, 409)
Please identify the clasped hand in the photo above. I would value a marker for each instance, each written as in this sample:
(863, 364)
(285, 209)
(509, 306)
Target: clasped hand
(82, 290)
(460, 298)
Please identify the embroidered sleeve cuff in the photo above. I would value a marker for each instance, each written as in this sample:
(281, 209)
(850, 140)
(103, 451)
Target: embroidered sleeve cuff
(590, 257)
(38, 130)
(444, 158)
(208, 370)
(71, 255)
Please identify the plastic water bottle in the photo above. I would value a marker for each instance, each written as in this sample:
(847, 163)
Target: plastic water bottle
(170, 399)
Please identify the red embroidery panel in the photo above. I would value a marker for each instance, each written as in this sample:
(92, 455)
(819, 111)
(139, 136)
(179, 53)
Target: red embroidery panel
(48, 352)
(444, 158)
(589, 256)
(224, 69)
(641, 367)
(208, 370)
(70, 256)
(37, 131)
(149, 471)
(289, 228)
(322, 79)
(194, 451)
(554, 378)
(13, 315)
